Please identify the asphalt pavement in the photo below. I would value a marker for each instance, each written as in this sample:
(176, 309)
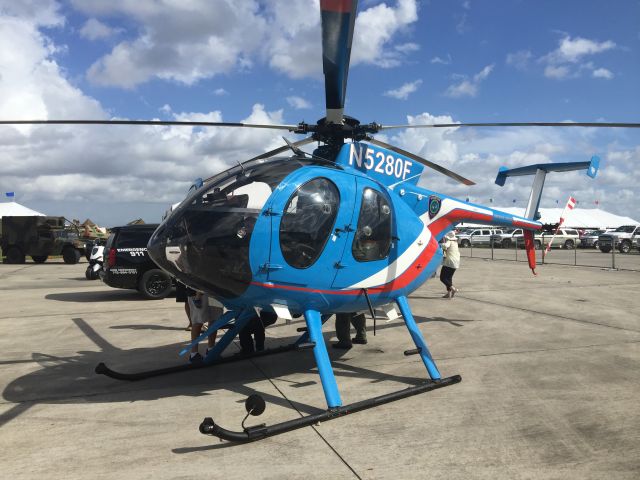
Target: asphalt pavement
(550, 370)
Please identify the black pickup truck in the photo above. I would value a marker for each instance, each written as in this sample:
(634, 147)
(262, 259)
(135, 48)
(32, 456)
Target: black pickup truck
(128, 265)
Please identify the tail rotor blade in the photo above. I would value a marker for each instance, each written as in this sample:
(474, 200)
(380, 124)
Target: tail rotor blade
(338, 18)
(423, 161)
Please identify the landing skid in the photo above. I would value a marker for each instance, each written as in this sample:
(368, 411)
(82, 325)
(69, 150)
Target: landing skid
(102, 369)
(258, 432)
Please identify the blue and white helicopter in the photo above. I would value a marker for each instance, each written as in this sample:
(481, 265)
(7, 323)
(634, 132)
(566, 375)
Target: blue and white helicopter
(345, 229)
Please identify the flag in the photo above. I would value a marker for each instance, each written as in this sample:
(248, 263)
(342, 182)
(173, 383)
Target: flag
(10, 194)
(571, 203)
(467, 199)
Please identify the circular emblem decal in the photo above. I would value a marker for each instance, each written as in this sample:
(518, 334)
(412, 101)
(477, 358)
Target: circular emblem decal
(434, 206)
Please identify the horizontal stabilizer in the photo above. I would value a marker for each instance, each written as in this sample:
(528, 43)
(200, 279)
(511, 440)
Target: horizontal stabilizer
(591, 167)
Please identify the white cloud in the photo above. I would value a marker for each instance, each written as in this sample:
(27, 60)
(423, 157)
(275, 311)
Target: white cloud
(569, 59)
(603, 73)
(573, 50)
(94, 29)
(298, 103)
(190, 41)
(403, 92)
(469, 87)
(36, 12)
(557, 72)
(219, 92)
(519, 59)
(443, 61)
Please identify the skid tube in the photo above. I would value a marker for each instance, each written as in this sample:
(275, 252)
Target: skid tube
(102, 369)
(258, 432)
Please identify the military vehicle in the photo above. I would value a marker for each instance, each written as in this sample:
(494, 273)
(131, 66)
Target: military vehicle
(39, 237)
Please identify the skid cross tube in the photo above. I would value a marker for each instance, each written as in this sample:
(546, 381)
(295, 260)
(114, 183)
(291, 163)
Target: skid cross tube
(209, 427)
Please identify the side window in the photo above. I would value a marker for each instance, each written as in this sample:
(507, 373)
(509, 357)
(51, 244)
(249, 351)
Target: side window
(372, 240)
(307, 222)
(133, 239)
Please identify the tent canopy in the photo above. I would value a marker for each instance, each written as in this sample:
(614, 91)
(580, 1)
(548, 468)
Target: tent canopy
(576, 218)
(14, 209)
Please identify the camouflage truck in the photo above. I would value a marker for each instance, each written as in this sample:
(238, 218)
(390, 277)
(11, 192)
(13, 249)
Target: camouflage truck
(39, 237)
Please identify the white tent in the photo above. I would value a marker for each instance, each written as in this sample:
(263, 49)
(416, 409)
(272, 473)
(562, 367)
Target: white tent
(577, 218)
(14, 209)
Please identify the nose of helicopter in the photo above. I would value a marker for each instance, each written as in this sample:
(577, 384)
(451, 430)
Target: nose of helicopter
(205, 249)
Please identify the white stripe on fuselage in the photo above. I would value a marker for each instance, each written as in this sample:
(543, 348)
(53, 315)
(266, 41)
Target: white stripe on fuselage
(447, 205)
(399, 265)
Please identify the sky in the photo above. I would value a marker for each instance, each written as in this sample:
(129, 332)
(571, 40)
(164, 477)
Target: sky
(259, 61)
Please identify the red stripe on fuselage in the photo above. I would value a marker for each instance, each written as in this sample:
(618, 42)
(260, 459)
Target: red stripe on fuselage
(341, 6)
(408, 276)
(455, 215)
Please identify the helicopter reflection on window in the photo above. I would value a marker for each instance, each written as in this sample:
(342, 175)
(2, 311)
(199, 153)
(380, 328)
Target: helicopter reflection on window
(308, 221)
(372, 240)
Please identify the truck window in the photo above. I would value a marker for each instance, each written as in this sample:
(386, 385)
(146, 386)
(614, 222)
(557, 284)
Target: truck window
(133, 239)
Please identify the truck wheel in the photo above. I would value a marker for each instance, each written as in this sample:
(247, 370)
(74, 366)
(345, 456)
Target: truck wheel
(595, 244)
(14, 255)
(70, 255)
(625, 247)
(537, 244)
(569, 245)
(154, 284)
(39, 258)
(605, 249)
(506, 243)
(465, 243)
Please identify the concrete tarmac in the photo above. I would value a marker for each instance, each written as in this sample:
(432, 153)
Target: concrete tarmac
(550, 370)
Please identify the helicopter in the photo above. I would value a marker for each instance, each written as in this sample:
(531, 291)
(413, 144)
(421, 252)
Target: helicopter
(344, 229)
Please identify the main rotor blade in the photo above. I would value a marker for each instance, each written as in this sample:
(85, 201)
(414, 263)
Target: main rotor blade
(291, 128)
(423, 161)
(282, 149)
(338, 18)
(520, 124)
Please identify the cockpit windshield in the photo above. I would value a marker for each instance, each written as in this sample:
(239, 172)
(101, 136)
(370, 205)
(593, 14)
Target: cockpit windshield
(205, 241)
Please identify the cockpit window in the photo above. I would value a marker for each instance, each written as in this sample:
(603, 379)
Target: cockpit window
(308, 221)
(372, 240)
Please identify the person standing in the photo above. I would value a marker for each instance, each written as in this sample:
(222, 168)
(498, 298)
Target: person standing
(343, 330)
(201, 312)
(450, 264)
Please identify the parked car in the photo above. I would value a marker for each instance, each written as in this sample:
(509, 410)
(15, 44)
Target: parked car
(567, 238)
(505, 239)
(128, 265)
(516, 238)
(589, 239)
(623, 238)
(478, 236)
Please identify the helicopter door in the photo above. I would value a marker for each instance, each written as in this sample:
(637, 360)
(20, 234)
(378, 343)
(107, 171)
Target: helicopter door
(308, 234)
(369, 249)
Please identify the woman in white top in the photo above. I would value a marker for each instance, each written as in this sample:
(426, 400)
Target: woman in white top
(450, 264)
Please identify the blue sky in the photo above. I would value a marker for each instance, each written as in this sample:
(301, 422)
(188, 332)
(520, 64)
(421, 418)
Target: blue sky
(417, 61)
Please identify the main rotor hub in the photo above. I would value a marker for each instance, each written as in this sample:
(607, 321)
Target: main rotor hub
(335, 134)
